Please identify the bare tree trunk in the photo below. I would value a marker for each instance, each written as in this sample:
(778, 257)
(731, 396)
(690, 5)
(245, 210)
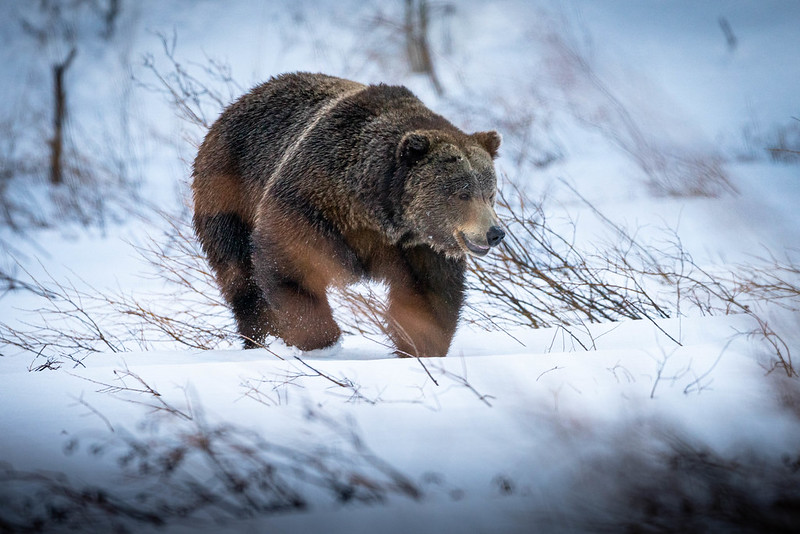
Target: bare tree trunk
(57, 143)
(417, 49)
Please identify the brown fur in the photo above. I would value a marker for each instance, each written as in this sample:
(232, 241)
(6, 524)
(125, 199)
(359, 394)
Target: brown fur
(310, 182)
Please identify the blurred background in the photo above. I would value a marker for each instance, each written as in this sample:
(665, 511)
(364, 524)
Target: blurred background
(107, 99)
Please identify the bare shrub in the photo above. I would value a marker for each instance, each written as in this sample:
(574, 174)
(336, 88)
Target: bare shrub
(538, 277)
(92, 192)
(18, 204)
(186, 469)
(666, 482)
(199, 317)
(53, 168)
(525, 119)
(780, 142)
(785, 145)
(418, 34)
(76, 320)
(197, 91)
(670, 170)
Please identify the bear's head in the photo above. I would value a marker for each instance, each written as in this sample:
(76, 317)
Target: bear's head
(450, 188)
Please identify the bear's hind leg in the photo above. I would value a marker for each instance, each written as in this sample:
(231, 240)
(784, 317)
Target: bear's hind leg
(294, 263)
(252, 315)
(303, 317)
(225, 238)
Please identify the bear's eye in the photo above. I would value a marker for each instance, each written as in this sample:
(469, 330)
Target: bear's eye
(464, 196)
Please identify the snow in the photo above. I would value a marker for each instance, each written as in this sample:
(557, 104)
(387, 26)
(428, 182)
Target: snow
(550, 416)
(512, 432)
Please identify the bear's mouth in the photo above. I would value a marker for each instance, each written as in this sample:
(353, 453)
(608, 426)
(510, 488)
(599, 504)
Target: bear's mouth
(474, 248)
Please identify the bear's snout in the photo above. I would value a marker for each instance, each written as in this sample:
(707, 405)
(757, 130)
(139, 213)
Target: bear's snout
(494, 236)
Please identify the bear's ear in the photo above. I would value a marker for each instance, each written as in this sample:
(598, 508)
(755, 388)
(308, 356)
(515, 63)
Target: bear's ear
(489, 140)
(413, 146)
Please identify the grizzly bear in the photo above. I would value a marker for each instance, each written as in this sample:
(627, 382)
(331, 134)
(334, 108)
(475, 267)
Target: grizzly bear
(309, 182)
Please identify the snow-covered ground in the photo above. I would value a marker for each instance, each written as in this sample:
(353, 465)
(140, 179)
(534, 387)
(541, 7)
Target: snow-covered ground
(514, 431)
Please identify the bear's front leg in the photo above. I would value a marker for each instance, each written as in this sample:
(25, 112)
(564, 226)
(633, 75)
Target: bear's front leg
(425, 299)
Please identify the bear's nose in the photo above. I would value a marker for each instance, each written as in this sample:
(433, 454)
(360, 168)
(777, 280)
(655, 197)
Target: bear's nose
(495, 235)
